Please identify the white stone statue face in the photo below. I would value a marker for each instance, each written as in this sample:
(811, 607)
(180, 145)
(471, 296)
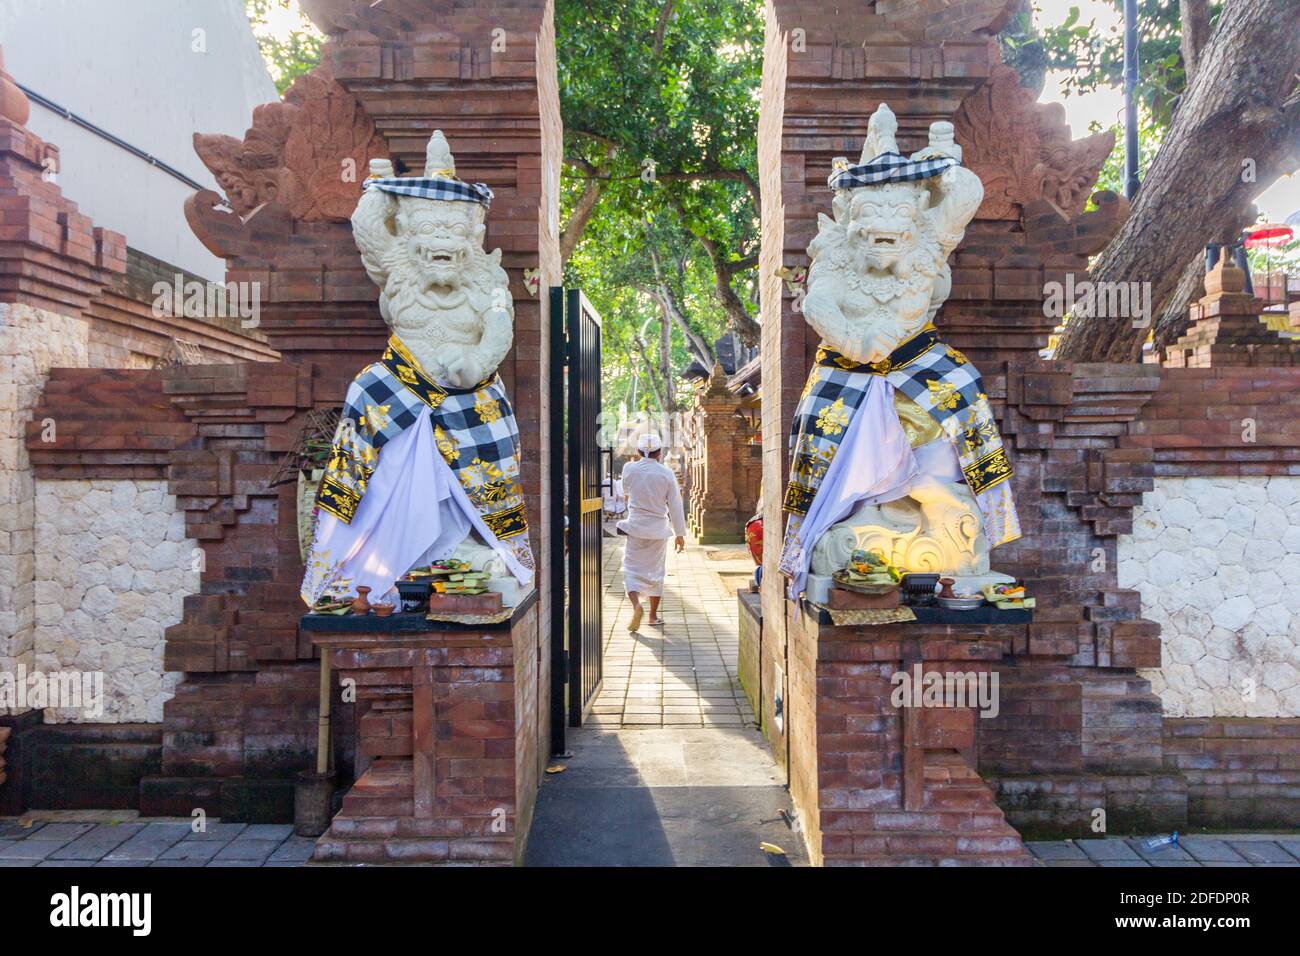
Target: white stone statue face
(440, 238)
(882, 226)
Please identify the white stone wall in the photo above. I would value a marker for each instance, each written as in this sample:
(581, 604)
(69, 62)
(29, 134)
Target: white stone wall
(113, 566)
(31, 342)
(1217, 561)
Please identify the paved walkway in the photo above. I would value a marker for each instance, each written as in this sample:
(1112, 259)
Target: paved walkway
(669, 770)
(1248, 849)
(121, 838)
(682, 674)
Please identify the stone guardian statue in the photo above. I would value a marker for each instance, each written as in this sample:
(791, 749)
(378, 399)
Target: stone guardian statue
(895, 447)
(425, 463)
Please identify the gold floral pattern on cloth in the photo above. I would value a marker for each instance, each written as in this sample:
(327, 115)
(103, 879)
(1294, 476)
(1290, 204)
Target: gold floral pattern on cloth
(330, 572)
(376, 418)
(447, 444)
(834, 418)
(347, 473)
(918, 425)
(806, 472)
(986, 472)
(488, 409)
(943, 394)
(976, 436)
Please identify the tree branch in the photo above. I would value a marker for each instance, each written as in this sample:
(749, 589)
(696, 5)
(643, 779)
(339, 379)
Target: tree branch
(585, 206)
(1194, 17)
(1235, 132)
(661, 28)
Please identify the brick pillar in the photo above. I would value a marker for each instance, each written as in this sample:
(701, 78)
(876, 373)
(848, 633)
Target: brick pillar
(242, 725)
(718, 510)
(445, 763)
(1227, 329)
(1071, 673)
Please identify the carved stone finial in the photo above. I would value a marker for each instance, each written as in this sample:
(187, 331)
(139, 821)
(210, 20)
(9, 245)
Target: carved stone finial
(1022, 150)
(438, 161)
(882, 133)
(294, 151)
(1225, 277)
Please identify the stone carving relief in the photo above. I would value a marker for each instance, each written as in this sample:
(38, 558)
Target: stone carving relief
(308, 153)
(1022, 151)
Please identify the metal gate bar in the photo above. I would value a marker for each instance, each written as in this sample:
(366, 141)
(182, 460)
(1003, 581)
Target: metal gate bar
(576, 506)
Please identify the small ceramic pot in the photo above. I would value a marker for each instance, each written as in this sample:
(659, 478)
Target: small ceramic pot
(945, 585)
(382, 610)
(361, 605)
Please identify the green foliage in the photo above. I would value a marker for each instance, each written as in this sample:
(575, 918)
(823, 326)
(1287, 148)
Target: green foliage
(663, 113)
(287, 57)
(1096, 58)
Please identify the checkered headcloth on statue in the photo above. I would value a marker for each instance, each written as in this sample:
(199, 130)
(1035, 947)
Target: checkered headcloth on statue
(427, 188)
(888, 168)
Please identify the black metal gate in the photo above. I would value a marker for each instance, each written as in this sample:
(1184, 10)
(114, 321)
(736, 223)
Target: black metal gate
(575, 554)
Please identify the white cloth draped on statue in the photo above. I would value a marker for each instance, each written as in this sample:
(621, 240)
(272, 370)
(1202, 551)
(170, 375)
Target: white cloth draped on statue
(874, 464)
(414, 511)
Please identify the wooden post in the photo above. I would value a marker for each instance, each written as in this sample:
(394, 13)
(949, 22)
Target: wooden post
(323, 728)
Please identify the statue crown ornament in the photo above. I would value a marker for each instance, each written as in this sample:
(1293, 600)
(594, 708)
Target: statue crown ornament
(895, 447)
(425, 464)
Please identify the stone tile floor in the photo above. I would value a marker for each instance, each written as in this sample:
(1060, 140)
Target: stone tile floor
(670, 769)
(122, 838)
(682, 674)
(1247, 849)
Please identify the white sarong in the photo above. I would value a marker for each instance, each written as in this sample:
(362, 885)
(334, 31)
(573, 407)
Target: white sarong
(643, 565)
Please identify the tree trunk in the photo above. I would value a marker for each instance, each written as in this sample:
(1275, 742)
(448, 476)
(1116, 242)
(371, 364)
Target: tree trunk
(1234, 133)
(1194, 19)
(650, 374)
(666, 362)
(746, 326)
(586, 204)
(669, 307)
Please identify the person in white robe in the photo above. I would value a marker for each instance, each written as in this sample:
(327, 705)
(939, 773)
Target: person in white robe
(654, 514)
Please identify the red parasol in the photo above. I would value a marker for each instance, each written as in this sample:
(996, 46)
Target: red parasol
(1268, 234)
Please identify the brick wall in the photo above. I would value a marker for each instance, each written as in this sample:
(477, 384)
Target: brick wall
(1240, 772)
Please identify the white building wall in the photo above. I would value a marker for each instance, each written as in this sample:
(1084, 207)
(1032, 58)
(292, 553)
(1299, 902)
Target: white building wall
(129, 66)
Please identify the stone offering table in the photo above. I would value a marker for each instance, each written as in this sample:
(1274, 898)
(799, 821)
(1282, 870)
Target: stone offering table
(878, 784)
(447, 760)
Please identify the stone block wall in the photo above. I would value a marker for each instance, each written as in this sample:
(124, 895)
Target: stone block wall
(1216, 560)
(113, 566)
(31, 341)
(1239, 772)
